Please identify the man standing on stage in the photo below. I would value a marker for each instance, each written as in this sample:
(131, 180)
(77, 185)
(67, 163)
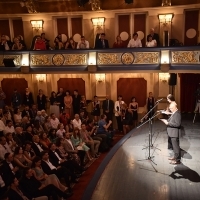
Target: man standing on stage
(173, 130)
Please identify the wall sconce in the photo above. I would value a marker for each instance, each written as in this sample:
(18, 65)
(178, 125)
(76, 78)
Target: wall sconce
(41, 77)
(164, 57)
(165, 18)
(37, 24)
(98, 22)
(164, 77)
(100, 78)
(92, 58)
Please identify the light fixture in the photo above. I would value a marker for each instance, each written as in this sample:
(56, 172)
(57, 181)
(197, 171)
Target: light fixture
(92, 58)
(98, 22)
(37, 24)
(165, 18)
(95, 5)
(100, 78)
(41, 77)
(166, 3)
(164, 77)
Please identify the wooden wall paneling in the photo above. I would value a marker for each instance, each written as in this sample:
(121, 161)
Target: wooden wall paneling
(72, 84)
(9, 84)
(76, 26)
(5, 29)
(62, 26)
(191, 27)
(18, 27)
(124, 26)
(129, 87)
(140, 26)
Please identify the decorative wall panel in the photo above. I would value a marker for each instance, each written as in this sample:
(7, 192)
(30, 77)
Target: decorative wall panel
(17, 59)
(185, 57)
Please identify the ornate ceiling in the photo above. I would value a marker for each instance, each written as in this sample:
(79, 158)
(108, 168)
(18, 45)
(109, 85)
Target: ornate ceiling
(30, 6)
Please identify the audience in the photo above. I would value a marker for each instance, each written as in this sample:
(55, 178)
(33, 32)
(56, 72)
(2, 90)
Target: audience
(83, 44)
(135, 42)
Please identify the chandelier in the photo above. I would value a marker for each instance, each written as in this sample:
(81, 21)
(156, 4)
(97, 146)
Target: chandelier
(166, 3)
(31, 5)
(95, 5)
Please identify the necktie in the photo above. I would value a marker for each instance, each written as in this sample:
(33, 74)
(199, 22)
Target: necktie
(103, 43)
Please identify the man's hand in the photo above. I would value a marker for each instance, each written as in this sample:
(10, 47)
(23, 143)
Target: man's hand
(15, 169)
(110, 122)
(164, 120)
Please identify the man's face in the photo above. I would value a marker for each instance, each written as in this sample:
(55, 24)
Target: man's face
(102, 37)
(75, 93)
(10, 158)
(29, 173)
(151, 31)
(36, 139)
(9, 124)
(45, 156)
(61, 90)
(83, 40)
(18, 130)
(67, 135)
(53, 147)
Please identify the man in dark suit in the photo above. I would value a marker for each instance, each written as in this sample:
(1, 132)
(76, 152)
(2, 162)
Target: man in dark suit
(76, 102)
(102, 43)
(155, 36)
(173, 131)
(37, 148)
(9, 169)
(108, 107)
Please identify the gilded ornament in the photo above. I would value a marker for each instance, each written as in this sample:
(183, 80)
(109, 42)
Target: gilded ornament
(17, 59)
(185, 57)
(109, 58)
(58, 59)
(127, 58)
(75, 59)
(40, 60)
(147, 57)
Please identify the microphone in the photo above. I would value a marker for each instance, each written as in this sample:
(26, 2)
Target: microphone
(159, 100)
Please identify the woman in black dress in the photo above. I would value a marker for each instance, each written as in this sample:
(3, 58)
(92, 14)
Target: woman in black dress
(41, 101)
(96, 109)
(28, 98)
(133, 106)
(126, 118)
(83, 104)
(54, 107)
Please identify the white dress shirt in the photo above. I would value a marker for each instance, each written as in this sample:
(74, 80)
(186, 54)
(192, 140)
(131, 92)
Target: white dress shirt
(50, 164)
(3, 150)
(2, 183)
(54, 123)
(39, 147)
(9, 129)
(59, 158)
(135, 43)
(151, 44)
(118, 108)
(77, 124)
(82, 45)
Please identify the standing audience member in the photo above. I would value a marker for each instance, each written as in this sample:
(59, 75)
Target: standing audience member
(60, 97)
(102, 43)
(108, 108)
(150, 104)
(118, 107)
(68, 103)
(54, 104)
(16, 99)
(133, 106)
(96, 109)
(76, 102)
(28, 98)
(41, 101)
(83, 104)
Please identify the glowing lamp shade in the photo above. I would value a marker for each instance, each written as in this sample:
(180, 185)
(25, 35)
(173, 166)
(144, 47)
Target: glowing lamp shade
(37, 24)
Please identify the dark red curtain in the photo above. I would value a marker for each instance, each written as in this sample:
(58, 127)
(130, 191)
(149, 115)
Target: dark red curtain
(189, 84)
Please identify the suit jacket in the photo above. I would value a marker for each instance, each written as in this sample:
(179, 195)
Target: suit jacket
(99, 44)
(68, 148)
(53, 158)
(155, 37)
(13, 195)
(47, 170)
(174, 125)
(35, 149)
(105, 105)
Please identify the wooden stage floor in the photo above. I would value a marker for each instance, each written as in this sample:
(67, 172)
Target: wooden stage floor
(127, 178)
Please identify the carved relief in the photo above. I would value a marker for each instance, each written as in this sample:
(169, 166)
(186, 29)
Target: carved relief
(185, 57)
(147, 58)
(127, 58)
(17, 59)
(40, 60)
(109, 58)
(58, 59)
(75, 59)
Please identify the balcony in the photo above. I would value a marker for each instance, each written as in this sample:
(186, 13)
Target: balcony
(107, 60)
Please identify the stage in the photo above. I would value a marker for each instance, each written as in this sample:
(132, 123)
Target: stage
(124, 175)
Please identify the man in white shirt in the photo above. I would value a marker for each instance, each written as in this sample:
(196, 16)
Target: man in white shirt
(135, 41)
(54, 121)
(9, 127)
(77, 122)
(4, 148)
(83, 44)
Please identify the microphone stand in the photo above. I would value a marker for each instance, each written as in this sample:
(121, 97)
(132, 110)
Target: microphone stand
(150, 133)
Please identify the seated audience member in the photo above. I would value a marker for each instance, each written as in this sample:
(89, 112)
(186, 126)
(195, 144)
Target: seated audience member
(46, 41)
(119, 43)
(10, 141)
(77, 122)
(37, 127)
(33, 188)
(6, 117)
(37, 148)
(54, 121)
(45, 179)
(47, 124)
(3, 188)
(83, 44)
(44, 140)
(9, 169)
(58, 44)
(135, 42)
(60, 148)
(44, 114)
(87, 139)
(52, 135)
(103, 129)
(34, 111)
(64, 118)
(150, 42)
(14, 192)
(29, 133)
(102, 43)
(9, 112)
(21, 40)
(25, 123)
(39, 117)
(4, 44)
(60, 172)
(16, 99)
(28, 151)
(155, 36)
(83, 116)
(57, 160)
(4, 148)
(28, 100)
(39, 44)
(27, 112)
(19, 137)
(17, 45)
(69, 127)
(79, 144)
(9, 128)
(72, 150)
(61, 131)
(70, 44)
(17, 116)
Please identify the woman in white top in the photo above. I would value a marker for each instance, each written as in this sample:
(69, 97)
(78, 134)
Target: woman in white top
(135, 42)
(118, 108)
(17, 116)
(151, 42)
